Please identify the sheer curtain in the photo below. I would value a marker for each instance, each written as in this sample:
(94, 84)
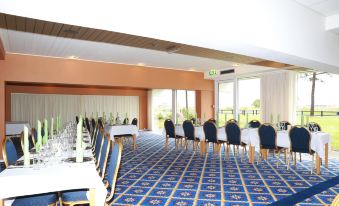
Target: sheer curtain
(278, 96)
(33, 107)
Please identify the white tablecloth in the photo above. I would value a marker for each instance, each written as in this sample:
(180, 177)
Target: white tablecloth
(318, 140)
(121, 129)
(15, 128)
(52, 178)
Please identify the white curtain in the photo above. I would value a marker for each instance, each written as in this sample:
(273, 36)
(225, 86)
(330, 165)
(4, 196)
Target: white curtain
(33, 107)
(278, 96)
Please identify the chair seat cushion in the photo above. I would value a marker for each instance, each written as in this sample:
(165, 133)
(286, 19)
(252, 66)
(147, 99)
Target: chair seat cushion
(74, 196)
(36, 200)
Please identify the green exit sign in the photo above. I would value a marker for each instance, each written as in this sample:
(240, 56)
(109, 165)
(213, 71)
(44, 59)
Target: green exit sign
(212, 72)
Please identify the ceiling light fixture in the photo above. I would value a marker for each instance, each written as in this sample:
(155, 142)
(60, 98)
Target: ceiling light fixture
(192, 70)
(141, 64)
(172, 49)
(73, 57)
(235, 65)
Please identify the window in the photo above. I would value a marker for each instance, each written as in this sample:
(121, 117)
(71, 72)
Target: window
(185, 105)
(326, 103)
(249, 100)
(225, 102)
(164, 107)
(161, 107)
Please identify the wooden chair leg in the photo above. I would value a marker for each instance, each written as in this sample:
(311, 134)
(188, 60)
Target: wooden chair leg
(278, 158)
(285, 154)
(295, 159)
(259, 156)
(300, 157)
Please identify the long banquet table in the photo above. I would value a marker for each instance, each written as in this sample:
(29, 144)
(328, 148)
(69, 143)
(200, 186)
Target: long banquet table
(54, 177)
(319, 141)
(129, 129)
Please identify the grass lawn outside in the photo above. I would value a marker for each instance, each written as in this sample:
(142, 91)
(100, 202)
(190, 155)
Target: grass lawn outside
(329, 124)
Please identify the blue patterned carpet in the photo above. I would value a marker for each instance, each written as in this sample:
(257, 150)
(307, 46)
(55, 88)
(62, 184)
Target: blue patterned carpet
(152, 175)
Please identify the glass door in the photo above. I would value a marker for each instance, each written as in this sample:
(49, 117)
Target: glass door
(225, 102)
(161, 107)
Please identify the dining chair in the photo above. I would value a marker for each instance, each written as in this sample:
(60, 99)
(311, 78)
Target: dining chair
(268, 141)
(87, 125)
(194, 120)
(254, 124)
(126, 121)
(170, 133)
(98, 146)
(312, 127)
(135, 122)
(285, 124)
(30, 139)
(49, 199)
(9, 152)
(232, 120)
(300, 140)
(76, 197)
(211, 136)
(233, 134)
(104, 155)
(189, 132)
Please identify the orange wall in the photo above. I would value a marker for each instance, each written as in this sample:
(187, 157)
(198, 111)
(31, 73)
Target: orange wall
(43, 89)
(34, 69)
(24, 68)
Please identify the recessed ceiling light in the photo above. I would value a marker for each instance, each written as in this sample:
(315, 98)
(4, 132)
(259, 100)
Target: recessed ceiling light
(141, 64)
(172, 49)
(235, 65)
(192, 70)
(73, 57)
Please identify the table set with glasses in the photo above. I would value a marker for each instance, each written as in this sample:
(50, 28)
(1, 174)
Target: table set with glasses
(319, 143)
(249, 136)
(54, 168)
(122, 130)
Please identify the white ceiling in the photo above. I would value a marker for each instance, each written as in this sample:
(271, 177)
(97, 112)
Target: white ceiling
(44, 45)
(323, 7)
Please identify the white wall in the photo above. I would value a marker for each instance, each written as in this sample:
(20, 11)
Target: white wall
(33, 107)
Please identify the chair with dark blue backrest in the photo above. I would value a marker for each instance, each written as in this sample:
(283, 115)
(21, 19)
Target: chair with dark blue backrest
(268, 141)
(312, 127)
(135, 122)
(170, 132)
(212, 120)
(194, 120)
(88, 125)
(211, 135)
(126, 121)
(233, 134)
(9, 152)
(254, 124)
(300, 139)
(104, 155)
(98, 146)
(189, 131)
(76, 197)
(36, 200)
